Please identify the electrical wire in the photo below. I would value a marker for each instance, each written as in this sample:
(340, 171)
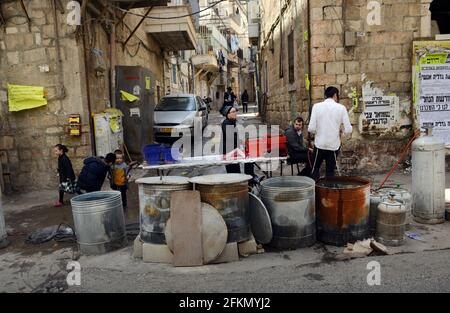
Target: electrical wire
(170, 18)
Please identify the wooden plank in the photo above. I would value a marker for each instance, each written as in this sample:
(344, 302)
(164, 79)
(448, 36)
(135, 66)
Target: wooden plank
(186, 216)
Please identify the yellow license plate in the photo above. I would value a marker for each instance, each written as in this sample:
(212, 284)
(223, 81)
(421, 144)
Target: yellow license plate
(166, 130)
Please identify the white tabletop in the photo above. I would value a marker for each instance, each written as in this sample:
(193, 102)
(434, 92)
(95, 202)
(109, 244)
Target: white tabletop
(210, 160)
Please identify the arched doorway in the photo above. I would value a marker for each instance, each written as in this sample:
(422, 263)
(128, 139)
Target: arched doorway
(440, 12)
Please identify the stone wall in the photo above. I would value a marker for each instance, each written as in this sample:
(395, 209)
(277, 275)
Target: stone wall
(285, 100)
(27, 137)
(378, 62)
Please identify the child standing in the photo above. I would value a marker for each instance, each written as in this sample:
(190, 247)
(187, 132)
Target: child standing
(120, 176)
(65, 172)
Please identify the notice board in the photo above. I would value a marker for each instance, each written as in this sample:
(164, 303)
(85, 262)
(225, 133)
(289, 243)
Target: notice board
(431, 87)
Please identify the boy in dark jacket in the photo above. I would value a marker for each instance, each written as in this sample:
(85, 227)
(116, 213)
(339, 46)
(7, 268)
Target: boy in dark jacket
(65, 172)
(94, 172)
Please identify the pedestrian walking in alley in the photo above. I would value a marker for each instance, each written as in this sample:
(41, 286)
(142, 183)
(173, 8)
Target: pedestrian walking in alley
(65, 173)
(297, 151)
(325, 123)
(231, 143)
(120, 174)
(94, 172)
(244, 100)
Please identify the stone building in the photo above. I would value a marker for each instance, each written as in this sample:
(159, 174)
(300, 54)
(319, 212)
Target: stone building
(75, 66)
(362, 47)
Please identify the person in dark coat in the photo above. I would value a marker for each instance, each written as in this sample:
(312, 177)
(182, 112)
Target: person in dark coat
(295, 146)
(228, 127)
(244, 100)
(228, 100)
(65, 172)
(94, 172)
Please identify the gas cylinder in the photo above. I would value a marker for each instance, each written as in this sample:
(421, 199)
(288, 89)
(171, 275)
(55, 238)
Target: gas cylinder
(428, 179)
(391, 222)
(376, 197)
(402, 195)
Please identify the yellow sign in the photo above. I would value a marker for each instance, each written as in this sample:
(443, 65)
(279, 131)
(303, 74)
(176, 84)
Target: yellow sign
(128, 96)
(436, 58)
(25, 97)
(148, 83)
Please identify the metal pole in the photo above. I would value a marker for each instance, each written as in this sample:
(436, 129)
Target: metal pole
(3, 235)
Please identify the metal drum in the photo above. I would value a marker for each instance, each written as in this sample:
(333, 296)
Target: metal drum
(228, 193)
(154, 204)
(391, 222)
(342, 205)
(376, 197)
(290, 201)
(99, 222)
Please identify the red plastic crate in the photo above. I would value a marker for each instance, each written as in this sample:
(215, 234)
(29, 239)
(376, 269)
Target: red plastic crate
(259, 147)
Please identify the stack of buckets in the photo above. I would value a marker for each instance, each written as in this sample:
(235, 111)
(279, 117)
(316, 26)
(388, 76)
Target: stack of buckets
(156, 154)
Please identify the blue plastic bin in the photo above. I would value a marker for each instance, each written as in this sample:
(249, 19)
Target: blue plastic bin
(152, 154)
(170, 155)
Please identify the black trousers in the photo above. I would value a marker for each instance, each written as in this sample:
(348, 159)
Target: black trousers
(245, 107)
(123, 192)
(329, 157)
(61, 196)
(302, 157)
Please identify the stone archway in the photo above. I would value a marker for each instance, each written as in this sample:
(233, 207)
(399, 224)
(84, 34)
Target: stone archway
(440, 12)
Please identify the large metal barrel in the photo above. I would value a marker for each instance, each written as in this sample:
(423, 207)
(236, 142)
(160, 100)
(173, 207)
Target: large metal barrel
(99, 222)
(343, 205)
(3, 234)
(154, 204)
(290, 201)
(228, 193)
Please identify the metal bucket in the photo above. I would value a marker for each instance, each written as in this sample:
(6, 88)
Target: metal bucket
(343, 205)
(99, 222)
(290, 201)
(228, 193)
(154, 204)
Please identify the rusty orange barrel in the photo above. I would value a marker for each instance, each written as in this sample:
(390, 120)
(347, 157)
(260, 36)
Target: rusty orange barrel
(342, 208)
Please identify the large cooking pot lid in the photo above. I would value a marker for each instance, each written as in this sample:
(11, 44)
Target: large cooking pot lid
(260, 222)
(220, 179)
(163, 180)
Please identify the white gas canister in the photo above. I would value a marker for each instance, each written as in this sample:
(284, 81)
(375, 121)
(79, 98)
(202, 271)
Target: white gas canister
(428, 179)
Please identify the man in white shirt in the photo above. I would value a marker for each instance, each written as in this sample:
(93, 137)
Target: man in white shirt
(325, 122)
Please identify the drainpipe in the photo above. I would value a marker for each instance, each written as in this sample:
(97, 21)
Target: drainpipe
(308, 25)
(113, 64)
(88, 93)
(61, 92)
(163, 73)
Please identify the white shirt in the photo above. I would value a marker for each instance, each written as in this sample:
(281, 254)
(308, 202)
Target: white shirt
(326, 120)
